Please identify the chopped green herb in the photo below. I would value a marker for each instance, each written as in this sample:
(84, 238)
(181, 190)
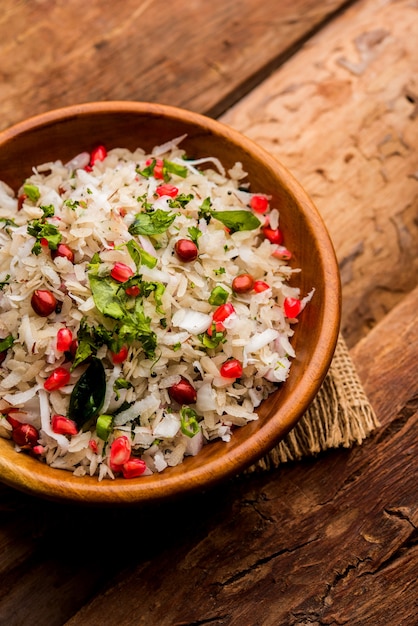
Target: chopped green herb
(48, 211)
(219, 271)
(194, 234)
(237, 220)
(71, 204)
(44, 230)
(175, 168)
(205, 211)
(153, 223)
(240, 219)
(180, 201)
(140, 256)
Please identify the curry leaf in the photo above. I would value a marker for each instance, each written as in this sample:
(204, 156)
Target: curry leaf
(88, 395)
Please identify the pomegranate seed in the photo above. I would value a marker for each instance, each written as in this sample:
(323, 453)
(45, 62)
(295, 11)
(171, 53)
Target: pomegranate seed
(64, 339)
(183, 392)
(61, 425)
(158, 167)
(259, 204)
(167, 190)
(260, 286)
(120, 452)
(12, 421)
(120, 357)
(282, 253)
(292, 307)
(38, 450)
(242, 283)
(20, 200)
(133, 291)
(59, 378)
(274, 235)
(231, 369)
(219, 328)
(73, 347)
(93, 446)
(121, 272)
(133, 468)
(64, 251)
(186, 250)
(98, 154)
(25, 435)
(123, 211)
(43, 302)
(222, 312)
(44, 242)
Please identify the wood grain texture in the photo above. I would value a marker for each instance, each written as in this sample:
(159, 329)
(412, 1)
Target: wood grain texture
(195, 54)
(342, 115)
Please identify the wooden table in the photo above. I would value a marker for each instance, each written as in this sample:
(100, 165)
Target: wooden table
(331, 88)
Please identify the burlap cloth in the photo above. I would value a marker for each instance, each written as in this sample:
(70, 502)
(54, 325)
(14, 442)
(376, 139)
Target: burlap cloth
(339, 416)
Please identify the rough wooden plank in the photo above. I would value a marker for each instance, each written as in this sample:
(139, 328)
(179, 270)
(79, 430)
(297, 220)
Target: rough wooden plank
(325, 541)
(342, 115)
(199, 55)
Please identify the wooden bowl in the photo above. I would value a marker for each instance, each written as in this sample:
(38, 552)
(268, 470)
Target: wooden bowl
(63, 133)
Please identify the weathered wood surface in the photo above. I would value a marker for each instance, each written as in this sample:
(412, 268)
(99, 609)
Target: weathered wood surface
(324, 541)
(342, 116)
(200, 55)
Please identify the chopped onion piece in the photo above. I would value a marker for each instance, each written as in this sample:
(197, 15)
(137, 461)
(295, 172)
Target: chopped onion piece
(194, 322)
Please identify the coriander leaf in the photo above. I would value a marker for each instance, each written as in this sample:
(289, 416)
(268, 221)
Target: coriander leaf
(71, 204)
(140, 256)
(158, 289)
(205, 210)
(180, 201)
(105, 293)
(175, 168)
(237, 220)
(153, 223)
(137, 326)
(49, 210)
(194, 234)
(89, 339)
(147, 171)
(44, 230)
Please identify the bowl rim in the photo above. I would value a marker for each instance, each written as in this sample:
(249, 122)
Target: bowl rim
(63, 485)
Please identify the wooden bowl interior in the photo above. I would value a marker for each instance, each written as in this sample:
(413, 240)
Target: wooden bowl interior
(63, 134)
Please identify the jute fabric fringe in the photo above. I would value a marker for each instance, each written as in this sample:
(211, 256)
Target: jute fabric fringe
(339, 416)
